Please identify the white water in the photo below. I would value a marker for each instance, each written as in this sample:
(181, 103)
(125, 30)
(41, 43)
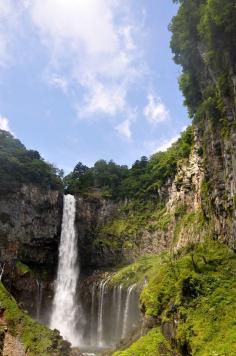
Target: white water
(102, 289)
(65, 310)
(92, 319)
(126, 313)
(113, 314)
(118, 315)
(39, 299)
(1, 271)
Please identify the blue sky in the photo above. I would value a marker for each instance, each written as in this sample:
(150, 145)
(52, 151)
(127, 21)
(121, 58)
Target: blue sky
(82, 80)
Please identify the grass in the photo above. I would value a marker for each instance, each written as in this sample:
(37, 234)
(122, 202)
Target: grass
(138, 272)
(201, 286)
(149, 345)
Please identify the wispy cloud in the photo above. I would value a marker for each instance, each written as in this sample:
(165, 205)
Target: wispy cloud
(159, 145)
(154, 146)
(58, 82)
(94, 43)
(8, 30)
(124, 129)
(155, 111)
(4, 124)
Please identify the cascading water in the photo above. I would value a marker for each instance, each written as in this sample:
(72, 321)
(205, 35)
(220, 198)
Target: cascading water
(126, 312)
(65, 309)
(114, 314)
(118, 315)
(39, 298)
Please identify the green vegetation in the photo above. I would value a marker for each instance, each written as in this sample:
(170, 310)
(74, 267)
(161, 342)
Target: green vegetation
(198, 289)
(126, 228)
(22, 268)
(141, 182)
(151, 344)
(19, 165)
(138, 272)
(36, 338)
(192, 224)
(203, 43)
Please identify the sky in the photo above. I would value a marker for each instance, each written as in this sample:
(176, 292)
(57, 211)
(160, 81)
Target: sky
(83, 80)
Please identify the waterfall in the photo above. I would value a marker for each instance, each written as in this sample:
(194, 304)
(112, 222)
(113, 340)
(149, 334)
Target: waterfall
(102, 289)
(65, 310)
(39, 299)
(2, 271)
(118, 315)
(126, 312)
(92, 315)
(113, 314)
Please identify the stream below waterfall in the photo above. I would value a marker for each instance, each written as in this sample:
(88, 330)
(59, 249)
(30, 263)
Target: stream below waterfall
(101, 320)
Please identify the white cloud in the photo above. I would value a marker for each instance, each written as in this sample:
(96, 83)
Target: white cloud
(7, 25)
(159, 145)
(155, 111)
(124, 130)
(77, 22)
(93, 42)
(4, 124)
(101, 98)
(58, 82)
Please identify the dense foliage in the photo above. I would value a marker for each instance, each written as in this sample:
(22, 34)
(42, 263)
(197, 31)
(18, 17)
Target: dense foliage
(141, 181)
(204, 44)
(196, 289)
(19, 165)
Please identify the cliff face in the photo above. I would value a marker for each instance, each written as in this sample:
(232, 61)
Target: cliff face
(112, 233)
(220, 180)
(91, 214)
(30, 223)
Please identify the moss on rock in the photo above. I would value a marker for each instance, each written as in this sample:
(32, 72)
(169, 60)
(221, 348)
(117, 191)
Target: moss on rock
(151, 344)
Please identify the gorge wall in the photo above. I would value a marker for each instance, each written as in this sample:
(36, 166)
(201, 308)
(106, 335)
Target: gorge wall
(30, 224)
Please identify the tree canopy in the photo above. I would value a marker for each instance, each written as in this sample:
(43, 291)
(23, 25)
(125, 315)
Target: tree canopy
(19, 165)
(141, 181)
(204, 44)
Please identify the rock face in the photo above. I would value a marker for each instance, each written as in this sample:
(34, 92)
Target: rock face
(220, 175)
(92, 213)
(30, 223)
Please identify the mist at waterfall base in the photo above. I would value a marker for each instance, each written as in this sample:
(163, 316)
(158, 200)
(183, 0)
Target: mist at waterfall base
(101, 319)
